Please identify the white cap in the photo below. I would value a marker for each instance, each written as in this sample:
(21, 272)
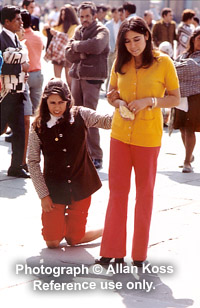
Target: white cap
(166, 47)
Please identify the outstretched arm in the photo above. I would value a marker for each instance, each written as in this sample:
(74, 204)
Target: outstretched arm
(94, 119)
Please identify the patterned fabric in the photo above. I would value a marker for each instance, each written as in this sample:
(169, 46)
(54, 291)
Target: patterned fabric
(56, 49)
(184, 34)
(13, 82)
(188, 70)
(90, 117)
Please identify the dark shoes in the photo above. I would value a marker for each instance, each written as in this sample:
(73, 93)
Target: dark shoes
(8, 138)
(18, 173)
(138, 263)
(98, 163)
(25, 167)
(106, 261)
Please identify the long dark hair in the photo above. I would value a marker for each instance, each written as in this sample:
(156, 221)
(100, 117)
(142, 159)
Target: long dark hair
(138, 25)
(54, 86)
(196, 32)
(70, 17)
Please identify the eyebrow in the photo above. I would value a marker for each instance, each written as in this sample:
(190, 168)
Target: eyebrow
(133, 37)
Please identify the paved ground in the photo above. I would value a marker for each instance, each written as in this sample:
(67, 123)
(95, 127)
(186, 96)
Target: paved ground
(174, 248)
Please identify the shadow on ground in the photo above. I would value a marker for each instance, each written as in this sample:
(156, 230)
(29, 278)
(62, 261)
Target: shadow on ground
(186, 178)
(136, 287)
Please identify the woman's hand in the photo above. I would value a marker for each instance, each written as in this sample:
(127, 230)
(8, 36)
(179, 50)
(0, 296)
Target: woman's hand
(112, 96)
(47, 204)
(139, 104)
(114, 99)
(53, 32)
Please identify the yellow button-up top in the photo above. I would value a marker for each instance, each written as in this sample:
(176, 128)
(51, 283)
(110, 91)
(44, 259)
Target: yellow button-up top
(146, 129)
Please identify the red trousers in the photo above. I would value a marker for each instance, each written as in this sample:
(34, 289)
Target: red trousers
(66, 222)
(144, 161)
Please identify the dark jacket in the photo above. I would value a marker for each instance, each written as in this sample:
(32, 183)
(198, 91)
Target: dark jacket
(88, 51)
(8, 69)
(35, 23)
(162, 32)
(68, 170)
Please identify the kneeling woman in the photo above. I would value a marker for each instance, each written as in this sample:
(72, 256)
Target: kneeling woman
(69, 177)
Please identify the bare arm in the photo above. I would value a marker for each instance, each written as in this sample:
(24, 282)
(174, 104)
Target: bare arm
(114, 98)
(169, 101)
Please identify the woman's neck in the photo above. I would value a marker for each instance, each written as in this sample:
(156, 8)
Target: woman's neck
(138, 62)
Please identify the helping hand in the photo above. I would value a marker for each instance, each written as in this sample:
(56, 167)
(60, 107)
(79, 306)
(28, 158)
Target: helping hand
(112, 95)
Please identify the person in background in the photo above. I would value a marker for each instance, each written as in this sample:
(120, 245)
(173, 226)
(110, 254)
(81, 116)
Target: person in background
(26, 101)
(54, 17)
(101, 13)
(13, 79)
(60, 34)
(88, 51)
(139, 79)
(121, 13)
(185, 30)
(113, 27)
(195, 21)
(1, 63)
(187, 119)
(148, 17)
(29, 5)
(129, 10)
(69, 177)
(166, 47)
(164, 29)
(34, 44)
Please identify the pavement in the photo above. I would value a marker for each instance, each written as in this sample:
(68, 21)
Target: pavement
(31, 274)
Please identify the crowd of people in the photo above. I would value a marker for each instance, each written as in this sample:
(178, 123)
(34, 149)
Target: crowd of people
(136, 59)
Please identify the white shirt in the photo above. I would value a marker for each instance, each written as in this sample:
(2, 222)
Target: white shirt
(10, 34)
(131, 16)
(53, 120)
(116, 26)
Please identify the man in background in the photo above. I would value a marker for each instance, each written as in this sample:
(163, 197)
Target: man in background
(29, 5)
(148, 17)
(113, 27)
(130, 10)
(88, 51)
(164, 29)
(13, 86)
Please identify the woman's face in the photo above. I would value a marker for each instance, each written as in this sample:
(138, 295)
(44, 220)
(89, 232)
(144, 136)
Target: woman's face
(197, 43)
(135, 43)
(62, 15)
(56, 105)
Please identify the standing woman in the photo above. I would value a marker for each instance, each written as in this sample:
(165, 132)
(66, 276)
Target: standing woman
(139, 78)
(188, 69)
(67, 24)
